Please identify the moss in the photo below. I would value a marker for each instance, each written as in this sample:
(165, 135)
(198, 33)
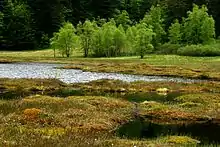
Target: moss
(174, 141)
(42, 99)
(189, 104)
(125, 143)
(50, 131)
(181, 140)
(153, 106)
(83, 120)
(204, 98)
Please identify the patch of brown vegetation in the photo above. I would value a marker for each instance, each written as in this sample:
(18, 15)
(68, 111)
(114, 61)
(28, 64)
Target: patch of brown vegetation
(32, 113)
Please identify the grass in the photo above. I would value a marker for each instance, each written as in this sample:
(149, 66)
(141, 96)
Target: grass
(37, 118)
(47, 56)
(162, 65)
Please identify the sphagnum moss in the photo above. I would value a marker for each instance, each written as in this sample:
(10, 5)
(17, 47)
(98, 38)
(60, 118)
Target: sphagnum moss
(93, 120)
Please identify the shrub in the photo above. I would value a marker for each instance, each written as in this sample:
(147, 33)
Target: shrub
(200, 50)
(168, 48)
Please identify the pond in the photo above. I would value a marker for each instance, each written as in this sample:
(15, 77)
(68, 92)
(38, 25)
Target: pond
(153, 96)
(45, 71)
(137, 97)
(206, 132)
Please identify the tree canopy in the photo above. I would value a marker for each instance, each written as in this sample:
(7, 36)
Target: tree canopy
(28, 24)
(65, 40)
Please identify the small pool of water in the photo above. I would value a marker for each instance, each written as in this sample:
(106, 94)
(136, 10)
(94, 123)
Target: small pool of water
(205, 132)
(153, 96)
(138, 97)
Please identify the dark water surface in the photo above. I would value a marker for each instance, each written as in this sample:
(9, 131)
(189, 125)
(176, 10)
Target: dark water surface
(44, 70)
(137, 97)
(205, 132)
(153, 96)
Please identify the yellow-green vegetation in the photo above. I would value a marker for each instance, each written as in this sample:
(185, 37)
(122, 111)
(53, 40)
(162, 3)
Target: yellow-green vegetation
(181, 140)
(37, 118)
(169, 141)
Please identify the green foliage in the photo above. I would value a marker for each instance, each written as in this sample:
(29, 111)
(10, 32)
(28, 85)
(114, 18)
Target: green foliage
(168, 48)
(85, 31)
(198, 27)
(65, 40)
(131, 34)
(120, 41)
(143, 39)
(97, 43)
(123, 19)
(100, 21)
(109, 40)
(133, 7)
(200, 50)
(1, 23)
(30, 23)
(175, 33)
(108, 30)
(1, 19)
(17, 24)
(155, 19)
(44, 41)
(48, 16)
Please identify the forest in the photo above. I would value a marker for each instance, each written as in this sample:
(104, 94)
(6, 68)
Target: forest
(110, 28)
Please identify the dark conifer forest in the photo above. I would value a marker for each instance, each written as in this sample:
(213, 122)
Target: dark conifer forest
(29, 24)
